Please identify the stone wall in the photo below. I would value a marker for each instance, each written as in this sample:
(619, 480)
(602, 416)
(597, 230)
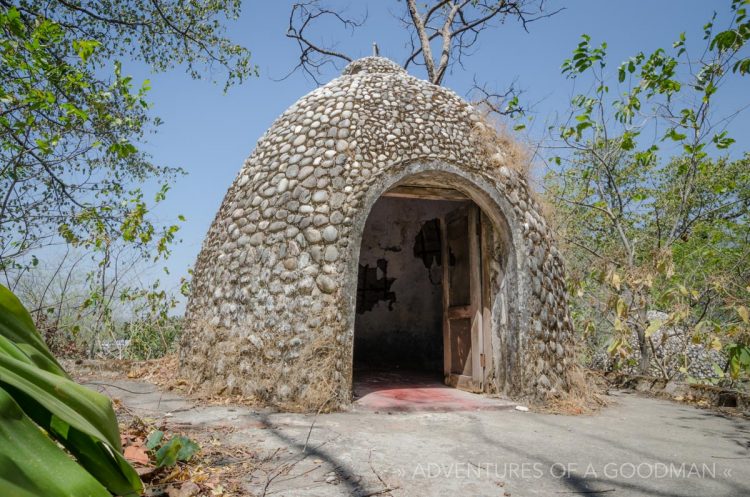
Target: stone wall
(273, 303)
(675, 354)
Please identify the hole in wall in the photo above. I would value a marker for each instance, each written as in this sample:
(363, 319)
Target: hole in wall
(427, 243)
(427, 247)
(374, 286)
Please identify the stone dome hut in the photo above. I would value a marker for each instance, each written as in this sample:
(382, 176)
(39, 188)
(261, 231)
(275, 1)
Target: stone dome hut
(379, 224)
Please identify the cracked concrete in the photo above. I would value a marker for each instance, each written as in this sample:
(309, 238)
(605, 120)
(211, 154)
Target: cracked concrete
(638, 446)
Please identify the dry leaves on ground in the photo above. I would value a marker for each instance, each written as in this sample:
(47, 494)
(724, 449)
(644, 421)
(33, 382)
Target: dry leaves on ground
(217, 470)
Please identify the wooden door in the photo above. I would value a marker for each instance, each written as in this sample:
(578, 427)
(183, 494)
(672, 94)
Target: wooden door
(462, 297)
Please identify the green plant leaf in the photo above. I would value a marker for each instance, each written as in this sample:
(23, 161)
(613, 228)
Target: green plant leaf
(154, 438)
(167, 454)
(17, 326)
(739, 359)
(32, 465)
(176, 449)
(717, 370)
(188, 450)
(85, 48)
(80, 419)
(653, 327)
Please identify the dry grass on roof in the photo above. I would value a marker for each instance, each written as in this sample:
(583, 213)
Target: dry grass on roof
(500, 147)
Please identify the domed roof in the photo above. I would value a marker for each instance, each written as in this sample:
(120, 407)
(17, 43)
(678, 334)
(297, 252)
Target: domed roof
(372, 116)
(278, 264)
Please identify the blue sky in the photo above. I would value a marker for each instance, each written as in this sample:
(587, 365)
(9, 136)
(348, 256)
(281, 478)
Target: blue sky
(209, 133)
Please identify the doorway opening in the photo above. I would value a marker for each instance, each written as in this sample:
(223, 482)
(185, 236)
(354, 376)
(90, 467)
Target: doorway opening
(419, 293)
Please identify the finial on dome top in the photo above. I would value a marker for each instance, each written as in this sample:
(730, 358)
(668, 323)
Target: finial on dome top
(375, 50)
(373, 65)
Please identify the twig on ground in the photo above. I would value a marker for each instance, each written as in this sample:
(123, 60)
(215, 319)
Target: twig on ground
(101, 383)
(586, 491)
(315, 418)
(386, 488)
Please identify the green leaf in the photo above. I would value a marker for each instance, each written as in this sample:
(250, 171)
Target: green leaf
(725, 40)
(154, 438)
(674, 135)
(167, 454)
(16, 325)
(177, 449)
(188, 450)
(739, 359)
(722, 141)
(80, 419)
(742, 66)
(653, 327)
(717, 370)
(627, 141)
(31, 464)
(85, 48)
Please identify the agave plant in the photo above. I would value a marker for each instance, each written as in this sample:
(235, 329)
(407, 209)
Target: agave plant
(45, 417)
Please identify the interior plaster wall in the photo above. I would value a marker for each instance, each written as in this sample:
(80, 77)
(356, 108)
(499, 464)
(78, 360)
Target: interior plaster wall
(403, 327)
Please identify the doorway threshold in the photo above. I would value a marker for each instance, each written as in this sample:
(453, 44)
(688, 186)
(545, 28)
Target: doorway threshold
(387, 391)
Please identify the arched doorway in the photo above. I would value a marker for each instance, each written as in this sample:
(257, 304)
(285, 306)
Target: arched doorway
(428, 301)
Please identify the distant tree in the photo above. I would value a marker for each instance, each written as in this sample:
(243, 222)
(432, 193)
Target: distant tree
(72, 124)
(654, 215)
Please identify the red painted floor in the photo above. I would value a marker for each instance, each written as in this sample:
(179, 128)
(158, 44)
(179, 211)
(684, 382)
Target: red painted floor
(414, 392)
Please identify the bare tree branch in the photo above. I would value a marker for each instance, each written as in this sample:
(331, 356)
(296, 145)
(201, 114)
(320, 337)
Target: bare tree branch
(458, 24)
(424, 40)
(503, 103)
(453, 26)
(314, 55)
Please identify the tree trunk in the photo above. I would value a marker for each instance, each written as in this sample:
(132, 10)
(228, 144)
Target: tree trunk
(644, 362)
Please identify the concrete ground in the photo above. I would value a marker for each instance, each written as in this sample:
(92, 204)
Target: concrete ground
(637, 447)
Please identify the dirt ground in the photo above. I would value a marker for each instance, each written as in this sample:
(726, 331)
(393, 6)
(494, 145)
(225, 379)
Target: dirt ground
(636, 446)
